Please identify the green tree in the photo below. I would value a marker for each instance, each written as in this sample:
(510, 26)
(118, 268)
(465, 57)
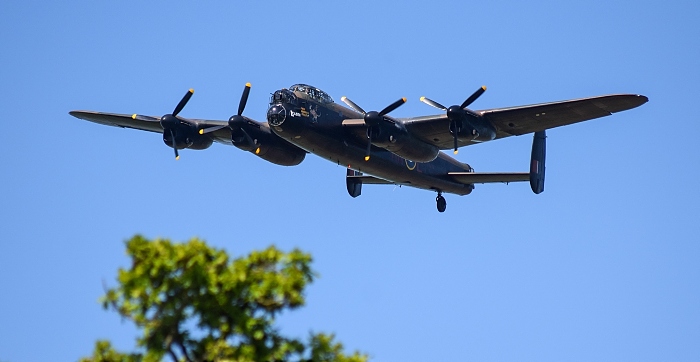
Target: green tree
(195, 304)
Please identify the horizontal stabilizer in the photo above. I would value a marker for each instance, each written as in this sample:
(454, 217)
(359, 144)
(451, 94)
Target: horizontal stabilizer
(489, 177)
(370, 180)
(355, 179)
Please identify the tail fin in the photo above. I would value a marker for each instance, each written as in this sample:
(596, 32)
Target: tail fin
(539, 150)
(354, 184)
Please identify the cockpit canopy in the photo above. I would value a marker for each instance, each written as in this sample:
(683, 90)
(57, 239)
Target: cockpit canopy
(312, 93)
(283, 96)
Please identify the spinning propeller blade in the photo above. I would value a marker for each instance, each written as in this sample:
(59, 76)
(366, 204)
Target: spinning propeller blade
(432, 103)
(172, 137)
(372, 118)
(456, 114)
(244, 98)
(352, 105)
(170, 122)
(392, 106)
(237, 121)
(369, 144)
(211, 129)
(183, 102)
(473, 97)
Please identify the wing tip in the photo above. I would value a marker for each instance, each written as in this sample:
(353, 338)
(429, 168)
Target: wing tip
(632, 101)
(80, 114)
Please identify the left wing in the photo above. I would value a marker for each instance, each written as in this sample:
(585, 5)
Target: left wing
(520, 120)
(540, 117)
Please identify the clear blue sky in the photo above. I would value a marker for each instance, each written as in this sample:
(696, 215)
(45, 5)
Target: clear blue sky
(604, 265)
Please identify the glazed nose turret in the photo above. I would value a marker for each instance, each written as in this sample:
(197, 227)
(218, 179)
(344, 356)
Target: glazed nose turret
(276, 115)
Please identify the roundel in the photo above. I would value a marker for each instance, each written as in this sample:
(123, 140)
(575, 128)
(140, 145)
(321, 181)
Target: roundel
(410, 164)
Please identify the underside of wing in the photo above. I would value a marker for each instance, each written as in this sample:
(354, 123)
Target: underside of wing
(151, 123)
(539, 117)
(489, 177)
(145, 123)
(520, 120)
(434, 130)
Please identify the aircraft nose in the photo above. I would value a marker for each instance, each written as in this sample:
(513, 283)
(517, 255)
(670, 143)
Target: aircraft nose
(276, 115)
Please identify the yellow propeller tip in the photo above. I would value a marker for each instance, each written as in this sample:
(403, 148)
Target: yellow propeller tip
(483, 87)
(248, 85)
(201, 131)
(456, 152)
(192, 90)
(422, 99)
(343, 98)
(366, 158)
(133, 116)
(257, 151)
(404, 99)
(177, 158)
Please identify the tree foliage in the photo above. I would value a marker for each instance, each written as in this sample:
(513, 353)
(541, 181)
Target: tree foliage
(195, 304)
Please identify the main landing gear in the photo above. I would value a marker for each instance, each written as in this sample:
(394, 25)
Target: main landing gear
(441, 203)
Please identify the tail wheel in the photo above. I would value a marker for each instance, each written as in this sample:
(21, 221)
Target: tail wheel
(441, 203)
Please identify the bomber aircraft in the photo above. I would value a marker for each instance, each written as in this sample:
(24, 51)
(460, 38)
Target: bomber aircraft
(375, 147)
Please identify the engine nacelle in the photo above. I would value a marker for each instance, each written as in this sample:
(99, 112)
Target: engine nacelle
(282, 154)
(475, 128)
(411, 148)
(200, 143)
(268, 147)
(191, 141)
(398, 141)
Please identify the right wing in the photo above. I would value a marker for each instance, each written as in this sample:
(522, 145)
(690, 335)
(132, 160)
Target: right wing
(152, 124)
(254, 137)
(135, 121)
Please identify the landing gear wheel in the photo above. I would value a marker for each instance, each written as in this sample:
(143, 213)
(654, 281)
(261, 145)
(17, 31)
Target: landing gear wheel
(441, 203)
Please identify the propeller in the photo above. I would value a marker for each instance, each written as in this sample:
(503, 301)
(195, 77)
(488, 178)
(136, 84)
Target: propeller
(373, 118)
(170, 122)
(237, 121)
(172, 136)
(456, 114)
